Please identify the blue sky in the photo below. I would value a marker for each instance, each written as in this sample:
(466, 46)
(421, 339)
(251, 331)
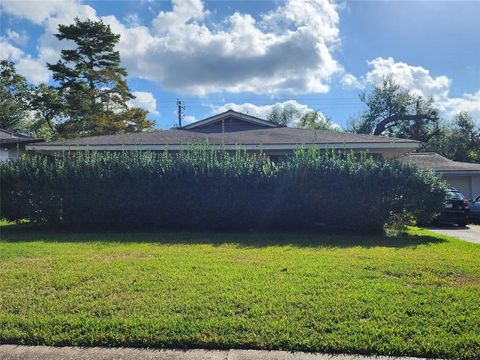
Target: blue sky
(254, 55)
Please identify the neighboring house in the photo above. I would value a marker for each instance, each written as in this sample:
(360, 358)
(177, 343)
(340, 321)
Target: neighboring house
(12, 144)
(465, 177)
(231, 130)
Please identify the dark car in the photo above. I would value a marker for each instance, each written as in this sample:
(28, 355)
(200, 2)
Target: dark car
(456, 209)
(475, 209)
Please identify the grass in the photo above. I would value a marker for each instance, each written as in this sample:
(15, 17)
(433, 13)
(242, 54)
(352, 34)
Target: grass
(418, 295)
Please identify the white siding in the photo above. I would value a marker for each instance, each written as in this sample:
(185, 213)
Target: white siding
(475, 185)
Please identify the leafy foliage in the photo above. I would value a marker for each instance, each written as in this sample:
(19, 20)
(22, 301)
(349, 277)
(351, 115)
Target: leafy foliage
(204, 188)
(309, 120)
(458, 140)
(316, 120)
(283, 116)
(393, 111)
(15, 93)
(48, 108)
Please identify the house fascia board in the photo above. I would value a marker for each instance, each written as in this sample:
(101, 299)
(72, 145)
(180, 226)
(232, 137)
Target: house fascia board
(457, 172)
(255, 147)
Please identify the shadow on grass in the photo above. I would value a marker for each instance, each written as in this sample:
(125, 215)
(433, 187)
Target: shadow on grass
(28, 233)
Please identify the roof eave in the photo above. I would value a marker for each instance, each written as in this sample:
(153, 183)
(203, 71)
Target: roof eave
(457, 172)
(20, 141)
(175, 147)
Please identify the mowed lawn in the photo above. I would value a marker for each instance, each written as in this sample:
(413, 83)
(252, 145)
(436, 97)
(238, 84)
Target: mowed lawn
(417, 295)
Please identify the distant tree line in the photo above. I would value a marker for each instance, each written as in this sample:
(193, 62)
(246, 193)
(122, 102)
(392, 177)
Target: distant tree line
(393, 111)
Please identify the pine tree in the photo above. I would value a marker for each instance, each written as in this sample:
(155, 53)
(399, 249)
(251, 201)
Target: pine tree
(92, 84)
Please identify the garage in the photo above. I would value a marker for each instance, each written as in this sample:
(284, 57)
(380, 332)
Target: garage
(465, 177)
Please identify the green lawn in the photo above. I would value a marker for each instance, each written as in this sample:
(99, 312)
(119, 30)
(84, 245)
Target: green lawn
(417, 295)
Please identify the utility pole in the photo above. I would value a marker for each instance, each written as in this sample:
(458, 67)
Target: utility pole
(180, 109)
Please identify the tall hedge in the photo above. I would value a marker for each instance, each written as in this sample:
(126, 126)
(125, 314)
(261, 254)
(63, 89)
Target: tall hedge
(208, 189)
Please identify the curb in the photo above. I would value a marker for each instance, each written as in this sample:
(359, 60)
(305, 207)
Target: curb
(20, 352)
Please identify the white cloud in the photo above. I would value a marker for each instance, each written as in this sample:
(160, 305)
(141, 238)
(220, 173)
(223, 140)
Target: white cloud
(38, 11)
(287, 50)
(414, 78)
(132, 20)
(262, 111)
(188, 119)
(17, 38)
(349, 80)
(469, 103)
(419, 81)
(8, 51)
(49, 13)
(32, 70)
(25, 64)
(49, 46)
(144, 100)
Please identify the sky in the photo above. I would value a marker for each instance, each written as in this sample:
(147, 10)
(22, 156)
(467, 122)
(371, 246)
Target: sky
(253, 56)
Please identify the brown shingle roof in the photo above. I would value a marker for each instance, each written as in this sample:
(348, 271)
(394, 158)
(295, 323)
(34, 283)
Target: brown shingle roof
(272, 136)
(10, 137)
(436, 162)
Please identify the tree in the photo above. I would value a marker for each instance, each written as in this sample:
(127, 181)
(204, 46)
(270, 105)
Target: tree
(15, 95)
(459, 139)
(284, 116)
(393, 111)
(130, 120)
(92, 84)
(48, 107)
(316, 120)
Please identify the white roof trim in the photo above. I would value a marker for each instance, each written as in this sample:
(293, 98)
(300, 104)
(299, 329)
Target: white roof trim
(218, 117)
(255, 147)
(457, 172)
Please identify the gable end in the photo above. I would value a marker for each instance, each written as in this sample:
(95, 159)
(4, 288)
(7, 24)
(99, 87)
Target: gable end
(229, 121)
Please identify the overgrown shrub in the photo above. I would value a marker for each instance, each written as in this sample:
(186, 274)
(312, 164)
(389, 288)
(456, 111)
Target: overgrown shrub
(208, 189)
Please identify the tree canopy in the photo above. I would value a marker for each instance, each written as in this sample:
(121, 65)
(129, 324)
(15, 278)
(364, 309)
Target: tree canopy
(15, 94)
(316, 120)
(312, 119)
(458, 139)
(283, 116)
(393, 111)
(92, 84)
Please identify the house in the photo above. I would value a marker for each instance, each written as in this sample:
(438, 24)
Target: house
(12, 144)
(463, 176)
(232, 130)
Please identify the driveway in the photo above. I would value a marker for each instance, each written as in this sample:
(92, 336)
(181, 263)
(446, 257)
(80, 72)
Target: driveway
(470, 233)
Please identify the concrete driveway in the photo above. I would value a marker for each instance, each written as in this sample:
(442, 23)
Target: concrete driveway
(470, 233)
